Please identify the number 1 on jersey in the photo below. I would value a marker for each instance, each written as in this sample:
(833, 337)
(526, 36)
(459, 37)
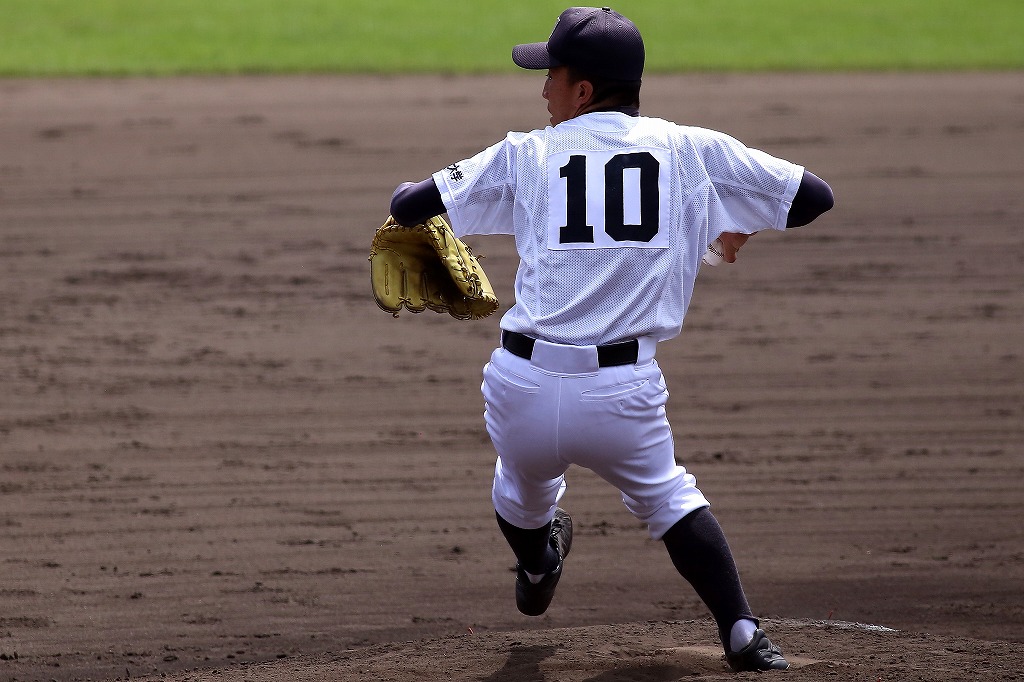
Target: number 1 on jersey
(576, 228)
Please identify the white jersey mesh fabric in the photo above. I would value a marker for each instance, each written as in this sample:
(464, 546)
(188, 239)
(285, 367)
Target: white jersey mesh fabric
(611, 215)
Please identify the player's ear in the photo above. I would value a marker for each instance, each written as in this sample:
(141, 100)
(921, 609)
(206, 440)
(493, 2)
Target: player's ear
(584, 91)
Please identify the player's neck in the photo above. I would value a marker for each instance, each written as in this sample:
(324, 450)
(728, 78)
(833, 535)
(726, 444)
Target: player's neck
(628, 110)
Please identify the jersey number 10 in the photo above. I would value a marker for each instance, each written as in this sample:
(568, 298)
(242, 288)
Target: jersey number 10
(578, 230)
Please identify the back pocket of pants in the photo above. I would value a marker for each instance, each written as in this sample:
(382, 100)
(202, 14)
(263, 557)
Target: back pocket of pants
(615, 392)
(511, 380)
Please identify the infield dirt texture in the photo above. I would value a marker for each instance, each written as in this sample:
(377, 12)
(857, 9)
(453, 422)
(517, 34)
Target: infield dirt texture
(220, 461)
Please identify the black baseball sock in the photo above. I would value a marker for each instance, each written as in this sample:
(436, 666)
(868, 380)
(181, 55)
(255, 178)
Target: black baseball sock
(701, 554)
(532, 546)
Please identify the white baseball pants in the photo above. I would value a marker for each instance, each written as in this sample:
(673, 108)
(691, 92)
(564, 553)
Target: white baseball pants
(558, 409)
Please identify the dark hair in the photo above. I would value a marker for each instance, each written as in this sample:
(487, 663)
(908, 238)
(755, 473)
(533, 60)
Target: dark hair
(609, 93)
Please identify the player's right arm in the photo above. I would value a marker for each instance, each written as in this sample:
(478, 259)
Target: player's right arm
(813, 198)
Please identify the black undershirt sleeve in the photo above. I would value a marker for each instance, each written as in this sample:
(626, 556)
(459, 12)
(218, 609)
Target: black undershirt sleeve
(413, 203)
(813, 198)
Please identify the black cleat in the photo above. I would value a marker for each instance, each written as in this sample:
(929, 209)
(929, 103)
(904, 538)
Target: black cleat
(760, 654)
(533, 599)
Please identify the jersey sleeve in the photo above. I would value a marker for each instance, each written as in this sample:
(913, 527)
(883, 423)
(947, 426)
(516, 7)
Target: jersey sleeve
(477, 192)
(755, 190)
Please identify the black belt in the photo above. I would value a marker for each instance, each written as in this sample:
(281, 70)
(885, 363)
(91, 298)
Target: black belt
(624, 353)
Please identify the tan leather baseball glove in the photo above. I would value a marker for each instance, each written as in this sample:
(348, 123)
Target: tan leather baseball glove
(427, 266)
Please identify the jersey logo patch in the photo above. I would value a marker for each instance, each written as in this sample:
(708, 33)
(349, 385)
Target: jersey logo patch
(454, 172)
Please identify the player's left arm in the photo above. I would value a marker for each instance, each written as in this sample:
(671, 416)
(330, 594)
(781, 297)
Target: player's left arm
(415, 202)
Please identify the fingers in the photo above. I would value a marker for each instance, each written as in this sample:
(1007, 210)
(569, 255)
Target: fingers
(732, 242)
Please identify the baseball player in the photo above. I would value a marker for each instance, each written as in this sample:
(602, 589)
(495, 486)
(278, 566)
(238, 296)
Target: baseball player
(611, 213)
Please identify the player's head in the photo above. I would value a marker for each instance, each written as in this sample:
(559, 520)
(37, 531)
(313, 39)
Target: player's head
(593, 44)
(596, 41)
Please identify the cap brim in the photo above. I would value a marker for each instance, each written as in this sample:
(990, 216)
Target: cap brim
(533, 56)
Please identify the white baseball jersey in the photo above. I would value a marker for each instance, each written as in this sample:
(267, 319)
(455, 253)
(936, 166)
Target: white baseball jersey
(611, 214)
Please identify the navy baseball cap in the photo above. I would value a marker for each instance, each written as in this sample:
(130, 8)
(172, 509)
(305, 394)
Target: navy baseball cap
(598, 41)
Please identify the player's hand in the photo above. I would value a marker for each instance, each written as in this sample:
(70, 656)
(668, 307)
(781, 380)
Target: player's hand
(732, 241)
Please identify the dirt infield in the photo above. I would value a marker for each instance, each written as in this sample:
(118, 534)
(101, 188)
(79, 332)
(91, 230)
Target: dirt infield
(219, 459)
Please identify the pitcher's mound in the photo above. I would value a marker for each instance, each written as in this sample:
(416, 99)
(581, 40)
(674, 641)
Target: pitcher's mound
(654, 652)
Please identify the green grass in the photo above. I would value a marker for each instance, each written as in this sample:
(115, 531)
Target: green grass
(122, 37)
